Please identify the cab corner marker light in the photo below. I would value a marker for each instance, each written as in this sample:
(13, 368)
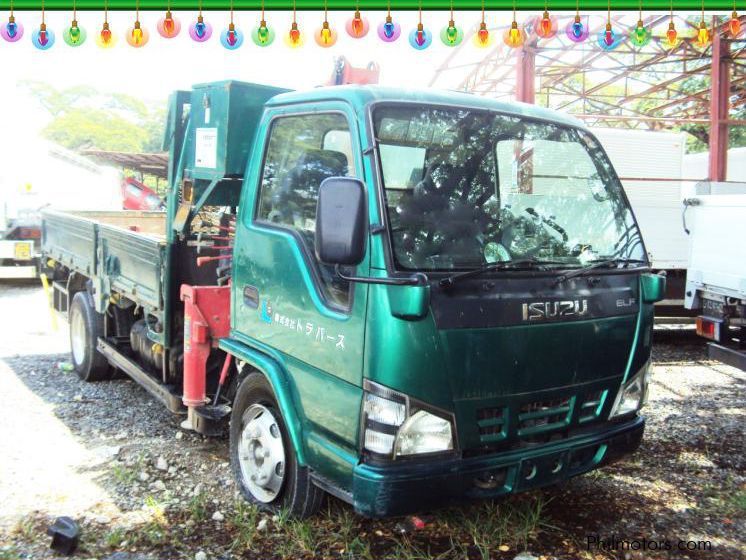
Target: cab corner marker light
(608, 39)
(451, 35)
(576, 31)
(389, 31)
(168, 26)
(546, 26)
(137, 36)
(325, 36)
(231, 37)
(514, 37)
(357, 26)
(482, 37)
(420, 38)
(640, 36)
(43, 38)
(200, 30)
(74, 35)
(262, 35)
(734, 25)
(11, 31)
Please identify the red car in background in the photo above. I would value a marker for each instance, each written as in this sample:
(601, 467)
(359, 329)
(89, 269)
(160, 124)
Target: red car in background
(136, 196)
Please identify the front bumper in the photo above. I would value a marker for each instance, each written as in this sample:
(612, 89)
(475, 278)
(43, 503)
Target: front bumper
(404, 486)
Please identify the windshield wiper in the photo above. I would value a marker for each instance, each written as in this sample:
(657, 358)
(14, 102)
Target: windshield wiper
(516, 264)
(597, 264)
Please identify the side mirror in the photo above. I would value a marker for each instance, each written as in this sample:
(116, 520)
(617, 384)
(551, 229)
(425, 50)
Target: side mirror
(341, 221)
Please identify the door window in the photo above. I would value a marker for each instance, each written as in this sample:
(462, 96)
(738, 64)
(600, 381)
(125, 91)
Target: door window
(304, 150)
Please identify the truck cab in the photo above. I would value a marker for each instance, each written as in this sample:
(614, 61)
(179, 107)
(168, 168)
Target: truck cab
(432, 296)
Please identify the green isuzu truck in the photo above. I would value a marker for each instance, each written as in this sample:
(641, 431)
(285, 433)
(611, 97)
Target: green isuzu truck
(401, 298)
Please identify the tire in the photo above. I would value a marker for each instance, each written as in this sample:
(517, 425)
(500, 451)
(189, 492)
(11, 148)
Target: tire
(85, 327)
(295, 492)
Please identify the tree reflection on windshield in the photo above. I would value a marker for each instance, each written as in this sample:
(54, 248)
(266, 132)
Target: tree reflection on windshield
(464, 188)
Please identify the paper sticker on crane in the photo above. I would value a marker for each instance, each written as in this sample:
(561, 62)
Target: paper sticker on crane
(206, 148)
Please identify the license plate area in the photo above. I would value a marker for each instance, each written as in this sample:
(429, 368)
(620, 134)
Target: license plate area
(22, 251)
(713, 308)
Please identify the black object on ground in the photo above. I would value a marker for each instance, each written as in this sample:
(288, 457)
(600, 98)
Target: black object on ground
(65, 535)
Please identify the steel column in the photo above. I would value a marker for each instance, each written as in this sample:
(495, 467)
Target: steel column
(525, 83)
(719, 105)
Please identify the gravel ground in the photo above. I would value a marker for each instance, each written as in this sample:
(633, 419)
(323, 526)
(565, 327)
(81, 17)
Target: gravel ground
(112, 458)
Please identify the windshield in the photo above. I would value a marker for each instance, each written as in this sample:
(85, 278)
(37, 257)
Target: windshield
(465, 188)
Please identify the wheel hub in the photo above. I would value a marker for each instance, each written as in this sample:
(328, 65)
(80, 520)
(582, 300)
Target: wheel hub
(77, 338)
(261, 454)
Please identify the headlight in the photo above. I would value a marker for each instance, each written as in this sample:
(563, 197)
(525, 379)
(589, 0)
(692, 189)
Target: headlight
(394, 428)
(424, 433)
(633, 394)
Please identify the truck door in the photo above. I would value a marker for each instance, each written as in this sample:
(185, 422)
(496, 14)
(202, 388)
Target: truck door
(285, 301)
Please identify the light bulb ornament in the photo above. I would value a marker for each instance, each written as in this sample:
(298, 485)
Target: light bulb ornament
(703, 34)
(231, 37)
(482, 37)
(609, 39)
(640, 36)
(200, 31)
(168, 26)
(43, 38)
(105, 38)
(514, 36)
(576, 30)
(357, 26)
(294, 38)
(734, 24)
(546, 25)
(137, 36)
(325, 36)
(389, 31)
(74, 35)
(262, 34)
(12, 30)
(450, 34)
(420, 38)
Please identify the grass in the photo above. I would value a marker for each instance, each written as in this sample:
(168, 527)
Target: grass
(198, 507)
(242, 522)
(26, 528)
(128, 474)
(9, 553)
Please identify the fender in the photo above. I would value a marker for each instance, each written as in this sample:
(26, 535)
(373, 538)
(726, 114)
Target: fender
(278, 380)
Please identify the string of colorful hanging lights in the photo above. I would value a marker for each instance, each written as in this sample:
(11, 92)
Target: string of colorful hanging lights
(544, 26)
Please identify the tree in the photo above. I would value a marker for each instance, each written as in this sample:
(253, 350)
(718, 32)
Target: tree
(84, 118)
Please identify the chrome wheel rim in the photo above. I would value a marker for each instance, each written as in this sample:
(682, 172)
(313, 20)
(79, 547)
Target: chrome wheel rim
(77, 337)
(261, 454)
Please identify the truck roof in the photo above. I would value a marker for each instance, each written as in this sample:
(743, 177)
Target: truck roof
(361, 95)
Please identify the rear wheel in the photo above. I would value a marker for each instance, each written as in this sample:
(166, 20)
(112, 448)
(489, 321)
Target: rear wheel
(85, 327)
(262, 457)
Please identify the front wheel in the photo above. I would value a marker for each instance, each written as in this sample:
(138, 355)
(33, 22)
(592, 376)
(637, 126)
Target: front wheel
(262, 457)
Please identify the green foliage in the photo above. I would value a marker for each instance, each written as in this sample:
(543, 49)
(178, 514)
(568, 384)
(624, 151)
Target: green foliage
(85, 118)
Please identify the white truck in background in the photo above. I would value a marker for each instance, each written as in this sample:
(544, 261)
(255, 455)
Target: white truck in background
(649, 164)
(715, 218)
(40, 174)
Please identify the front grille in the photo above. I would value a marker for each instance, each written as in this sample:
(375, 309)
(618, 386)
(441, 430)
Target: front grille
(536, 422)
(593, 402)
(540, 416)
(491, 423)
